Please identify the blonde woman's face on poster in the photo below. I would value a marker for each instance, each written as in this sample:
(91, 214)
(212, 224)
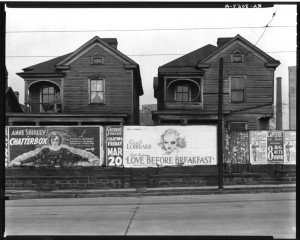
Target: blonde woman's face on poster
(170, 142)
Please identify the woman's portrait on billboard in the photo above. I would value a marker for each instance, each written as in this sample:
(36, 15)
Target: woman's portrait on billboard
(171, 142)
(56, 154)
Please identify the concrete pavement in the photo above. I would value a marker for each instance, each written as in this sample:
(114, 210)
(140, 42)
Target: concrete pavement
(130, 192)
(263, 214)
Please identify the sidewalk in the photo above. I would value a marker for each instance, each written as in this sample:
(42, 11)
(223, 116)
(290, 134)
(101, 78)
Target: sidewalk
(138, 192)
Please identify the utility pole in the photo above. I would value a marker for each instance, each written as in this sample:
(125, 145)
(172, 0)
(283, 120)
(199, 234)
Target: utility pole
(220, 127)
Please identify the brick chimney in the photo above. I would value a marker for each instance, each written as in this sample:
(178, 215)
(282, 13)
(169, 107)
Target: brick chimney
(111, 41)
(278, 104)
(222, 41)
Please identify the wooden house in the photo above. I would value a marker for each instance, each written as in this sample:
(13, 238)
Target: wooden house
(12, 104)
(95, 84)
(187, 88)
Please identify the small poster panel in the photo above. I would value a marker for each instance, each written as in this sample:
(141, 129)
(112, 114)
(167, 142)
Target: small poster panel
(290, 147)
(114, 146)
(275, 147)
(158, 146)
(55, 146)
(6, 163)
(258, 147)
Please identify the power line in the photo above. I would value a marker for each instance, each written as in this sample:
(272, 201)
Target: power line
(143, 30)
(137, 55)
(267, 26)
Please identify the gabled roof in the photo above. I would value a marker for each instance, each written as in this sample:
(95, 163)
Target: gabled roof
(96, 40)
(50, 66)
(192, 58)
(238, 38)
(204, 55)
(55, 66)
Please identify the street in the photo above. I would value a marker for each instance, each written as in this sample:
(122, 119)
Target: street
(229, 214)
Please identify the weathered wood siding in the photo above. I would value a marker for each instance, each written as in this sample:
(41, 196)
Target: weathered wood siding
(258, 82)
(118, 85)
(136, 106)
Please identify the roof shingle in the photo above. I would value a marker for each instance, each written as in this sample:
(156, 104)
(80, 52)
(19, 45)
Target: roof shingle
(192, 58)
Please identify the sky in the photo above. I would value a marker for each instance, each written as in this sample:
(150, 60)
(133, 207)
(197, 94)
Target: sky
(150, 36)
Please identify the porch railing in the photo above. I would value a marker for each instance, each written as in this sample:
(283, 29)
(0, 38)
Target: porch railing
(43, 107)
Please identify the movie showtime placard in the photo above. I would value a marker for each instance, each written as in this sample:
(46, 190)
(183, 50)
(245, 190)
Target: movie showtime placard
(158, 146)
(289, 147)
(275, 147)
(271, 147)
(114, 146)
(55, 146)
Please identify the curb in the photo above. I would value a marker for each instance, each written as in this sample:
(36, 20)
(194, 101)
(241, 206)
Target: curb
(15, 195)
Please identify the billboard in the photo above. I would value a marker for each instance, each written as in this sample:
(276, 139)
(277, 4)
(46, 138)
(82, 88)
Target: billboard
(272, 147)
(55, 146)
(157, 146)
(289, 147)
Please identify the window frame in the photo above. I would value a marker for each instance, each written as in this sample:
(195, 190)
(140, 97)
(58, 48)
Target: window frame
(196, 79)
(90, 90)
(188, 92)
(42, 94)
(244, 88)
(237, 53)
(97, 57)
(230, 126)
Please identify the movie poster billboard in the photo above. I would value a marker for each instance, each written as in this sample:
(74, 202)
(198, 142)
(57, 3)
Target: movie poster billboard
(6, 162)
(258, 147)
(275, 147)
(57, 146)
(158, 146)
(114, 146)
(289, 147)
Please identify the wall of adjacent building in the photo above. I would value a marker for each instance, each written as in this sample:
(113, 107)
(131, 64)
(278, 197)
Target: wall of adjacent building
(292, 97)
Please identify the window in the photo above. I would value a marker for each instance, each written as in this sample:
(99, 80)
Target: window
(97, 60)
(183, 90)
(238, 126)
(237, 89)
(50, 95)
(183, 93)
(237, 56)
(97, 91)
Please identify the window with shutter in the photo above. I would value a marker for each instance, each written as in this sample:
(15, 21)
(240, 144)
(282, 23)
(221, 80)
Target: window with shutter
(237, 89)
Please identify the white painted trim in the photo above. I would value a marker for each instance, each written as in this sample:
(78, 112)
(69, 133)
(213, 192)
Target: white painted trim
(92, 46)
(239, 42)
(89, 90)
(184, 78)
(44, 80)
